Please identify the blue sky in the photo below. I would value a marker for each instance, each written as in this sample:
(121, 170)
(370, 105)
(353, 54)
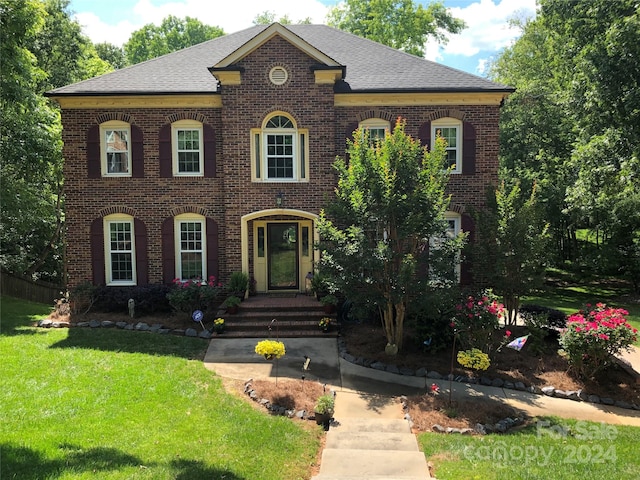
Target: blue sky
(486, 34)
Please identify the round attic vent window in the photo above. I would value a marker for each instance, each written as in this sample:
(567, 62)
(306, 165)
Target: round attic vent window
(278, 75)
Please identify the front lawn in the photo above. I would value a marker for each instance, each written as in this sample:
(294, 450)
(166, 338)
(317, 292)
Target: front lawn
(81, 403)
(548, 448)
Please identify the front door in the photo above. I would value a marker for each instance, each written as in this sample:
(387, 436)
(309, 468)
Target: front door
(282, 256)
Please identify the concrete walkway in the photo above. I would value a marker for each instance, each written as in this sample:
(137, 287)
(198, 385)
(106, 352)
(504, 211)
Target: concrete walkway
(369, 438)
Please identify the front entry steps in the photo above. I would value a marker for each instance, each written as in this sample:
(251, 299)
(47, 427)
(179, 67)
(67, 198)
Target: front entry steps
(296, 315)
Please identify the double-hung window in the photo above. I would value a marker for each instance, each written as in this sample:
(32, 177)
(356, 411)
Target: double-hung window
(187, 146)
(437, 243)
(190, 247)
(376, 128)
(279, 151)
(115, 146)
(450, 129)
(120, 250)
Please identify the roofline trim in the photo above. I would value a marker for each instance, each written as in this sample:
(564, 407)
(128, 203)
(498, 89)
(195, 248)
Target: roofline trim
(78, 101)
(275, 29)
(408, 98)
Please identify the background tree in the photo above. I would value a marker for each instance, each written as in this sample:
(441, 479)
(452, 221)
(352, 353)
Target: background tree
(400, 24)
(111, 54)
(268, 17)
(512, 250)
(173, 34)
(390, 199)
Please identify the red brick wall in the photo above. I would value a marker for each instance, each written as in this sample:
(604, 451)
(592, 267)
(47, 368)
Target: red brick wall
(232, 194)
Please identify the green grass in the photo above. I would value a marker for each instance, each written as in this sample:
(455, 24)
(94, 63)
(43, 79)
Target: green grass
(561, 449)
(84, 403)
(574, 296)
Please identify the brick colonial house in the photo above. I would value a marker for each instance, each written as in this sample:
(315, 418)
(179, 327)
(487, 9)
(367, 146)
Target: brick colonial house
(218, 158)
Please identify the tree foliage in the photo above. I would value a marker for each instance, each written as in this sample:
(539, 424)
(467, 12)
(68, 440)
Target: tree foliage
(172, 34)
(573, 125)
(400, 24)
(390, 199)
(112, 54)
(268, 17)
(512, 251)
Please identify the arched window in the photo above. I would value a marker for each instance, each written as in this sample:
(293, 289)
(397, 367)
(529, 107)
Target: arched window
(377, 128)
(451, 130)
(119, 250)
(279, 151)
(115, 149)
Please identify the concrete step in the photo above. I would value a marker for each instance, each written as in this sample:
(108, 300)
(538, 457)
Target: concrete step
(349, 440)
(369, 464)
(373, 425)
(368, 477)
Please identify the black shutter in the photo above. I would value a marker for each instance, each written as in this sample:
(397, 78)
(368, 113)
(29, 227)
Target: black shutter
(97, 251)
(424, 134)
(212, 248)
(168, 252)
(142, 260)
(209, 141)
(93, 152)
(137, 152)
(468, 149)
(164, 151)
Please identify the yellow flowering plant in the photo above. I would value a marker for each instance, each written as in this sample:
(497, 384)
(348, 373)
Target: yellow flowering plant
(270, 349)
(474, 359)
(218, 325)
(324, 323)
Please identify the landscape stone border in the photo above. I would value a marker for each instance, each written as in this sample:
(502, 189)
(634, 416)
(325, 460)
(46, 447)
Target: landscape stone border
(136, 326)
(575, 395)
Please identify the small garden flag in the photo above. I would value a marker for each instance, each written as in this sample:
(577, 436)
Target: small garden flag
(518, 343)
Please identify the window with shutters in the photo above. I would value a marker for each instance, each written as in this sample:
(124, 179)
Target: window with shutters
(453, 229)
(187, 148)
(190, 243)
(120, 252)
(115, 149)
(450, 129)
(279, 151)
(376, 127)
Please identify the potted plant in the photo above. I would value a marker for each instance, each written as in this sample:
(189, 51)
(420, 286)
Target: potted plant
(238, 284)
(324, 410)
(218, 325)
(231, 304)
(329, 302)
(318, 285)
(324, 324)
(270, 349)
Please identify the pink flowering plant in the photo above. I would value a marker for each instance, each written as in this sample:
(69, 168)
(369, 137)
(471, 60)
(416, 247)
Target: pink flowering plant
(593, 336)
(196, 294)
(475, 321)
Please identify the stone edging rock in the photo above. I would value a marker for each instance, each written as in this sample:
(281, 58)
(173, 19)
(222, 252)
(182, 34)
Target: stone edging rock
(575, 395)
(274, 409)
(137, 326)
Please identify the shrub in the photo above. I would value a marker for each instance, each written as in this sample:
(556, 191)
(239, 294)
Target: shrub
(476, 319)
(238, 283)
(270, 349)
(474, 359)
(431, 315)
(82, 297)
(537, 325)
(593, 337)
(554, 318)
(194, 295)
(149, 299)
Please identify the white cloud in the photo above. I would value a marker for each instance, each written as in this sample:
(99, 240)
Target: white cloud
(232, 17)
(487, 28)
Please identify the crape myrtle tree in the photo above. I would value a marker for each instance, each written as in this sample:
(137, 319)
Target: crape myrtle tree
(374, 235)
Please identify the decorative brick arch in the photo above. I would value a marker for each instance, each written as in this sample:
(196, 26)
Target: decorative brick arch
(260, 118)
(118, 209)
(107, 117)
(457, 208)
(175, 117)
(446, 112)
(375, 113)
(175, 211)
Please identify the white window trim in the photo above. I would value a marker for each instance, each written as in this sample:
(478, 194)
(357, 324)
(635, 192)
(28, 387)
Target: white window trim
(186, 125)
(457, 228)
(107, 221)
(375, 123)
(114, 125)
(259, 152)
(448, 122)
(192, 218)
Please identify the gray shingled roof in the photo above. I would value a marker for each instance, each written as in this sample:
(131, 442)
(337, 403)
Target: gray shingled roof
(370, 67)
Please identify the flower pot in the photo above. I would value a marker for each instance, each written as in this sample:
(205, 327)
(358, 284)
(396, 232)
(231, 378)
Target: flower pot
(232, 310)
(327, 308)
(269, 356)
